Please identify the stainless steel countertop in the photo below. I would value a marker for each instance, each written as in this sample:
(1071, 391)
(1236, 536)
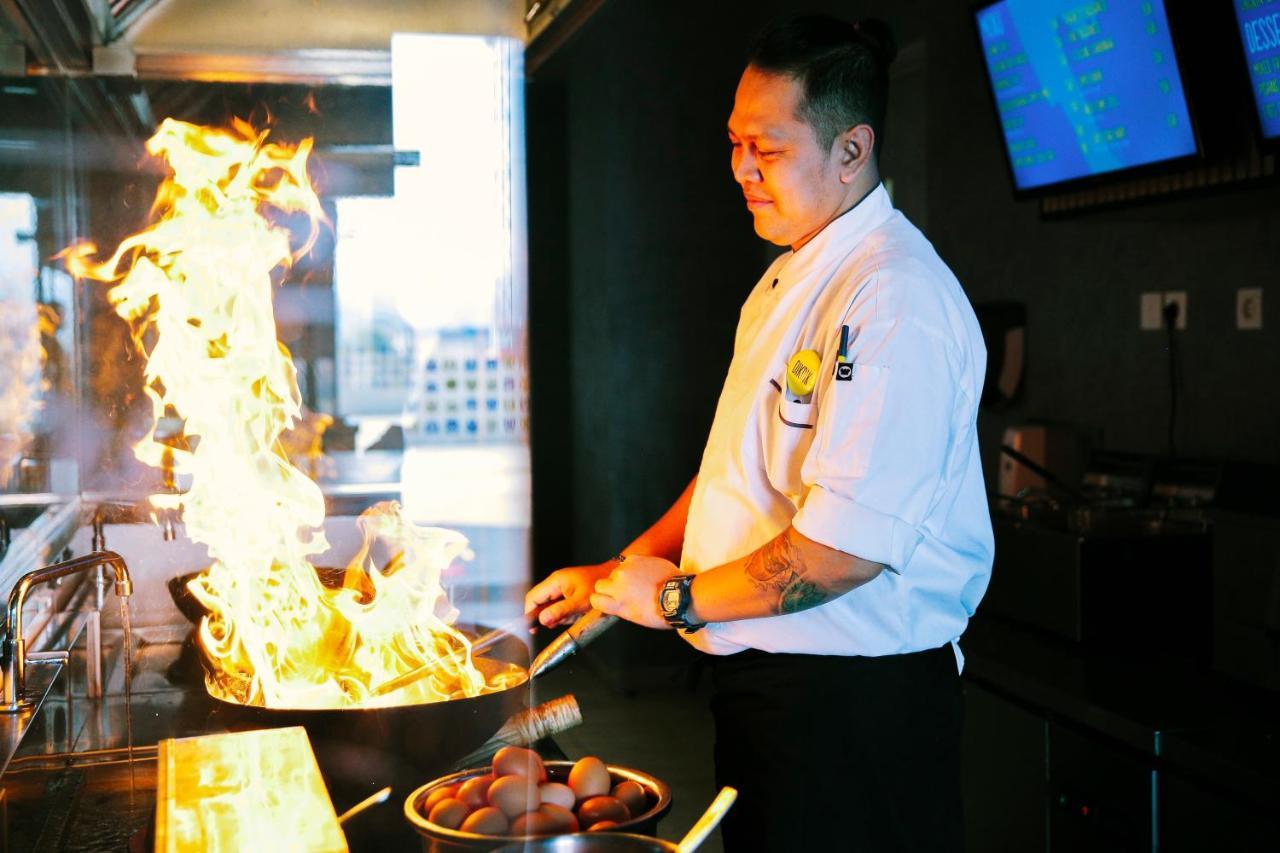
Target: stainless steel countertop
(13, 727)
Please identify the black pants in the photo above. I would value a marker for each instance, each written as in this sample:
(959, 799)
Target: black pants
(839, 753)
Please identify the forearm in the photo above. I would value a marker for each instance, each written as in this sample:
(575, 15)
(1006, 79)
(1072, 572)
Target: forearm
(665, 538)
(788, 574)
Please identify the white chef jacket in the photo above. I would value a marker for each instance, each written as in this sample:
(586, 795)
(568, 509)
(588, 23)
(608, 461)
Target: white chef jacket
(883, 465)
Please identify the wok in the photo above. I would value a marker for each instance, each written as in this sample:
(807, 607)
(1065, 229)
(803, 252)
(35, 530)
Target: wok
(363, 749)
(422, 740)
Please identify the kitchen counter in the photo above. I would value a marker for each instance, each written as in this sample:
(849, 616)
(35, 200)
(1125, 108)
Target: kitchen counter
(73, 782)
(1133, 699)
(73, 785)
(69, 780)
(1170, 714)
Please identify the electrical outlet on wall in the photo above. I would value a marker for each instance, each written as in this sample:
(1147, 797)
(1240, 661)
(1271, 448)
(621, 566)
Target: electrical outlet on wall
(1151, 309)
(1180, 297)
(1249, 308)
(1149, 318)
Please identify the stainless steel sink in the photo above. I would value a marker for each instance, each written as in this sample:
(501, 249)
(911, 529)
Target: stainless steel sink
(98, 801)
(71, 785)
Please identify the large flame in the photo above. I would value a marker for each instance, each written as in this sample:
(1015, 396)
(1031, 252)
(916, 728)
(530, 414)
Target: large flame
(196, 288)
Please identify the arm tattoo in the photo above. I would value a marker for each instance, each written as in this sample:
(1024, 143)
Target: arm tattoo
(770, 567)
(777, 567)
(801, 595)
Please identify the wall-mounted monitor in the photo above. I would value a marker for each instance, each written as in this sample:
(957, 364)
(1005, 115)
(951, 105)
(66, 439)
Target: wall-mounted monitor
(1084, 88)
(1259, 22)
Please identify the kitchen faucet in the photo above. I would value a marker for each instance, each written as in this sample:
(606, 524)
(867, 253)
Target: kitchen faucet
(14, 650)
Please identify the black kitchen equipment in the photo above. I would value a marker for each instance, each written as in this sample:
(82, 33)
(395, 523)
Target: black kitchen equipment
(1246, 597)
(1122, 562)
(1122, 581)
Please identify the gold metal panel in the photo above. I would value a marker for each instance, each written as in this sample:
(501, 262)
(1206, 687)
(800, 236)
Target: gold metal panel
(233, 792)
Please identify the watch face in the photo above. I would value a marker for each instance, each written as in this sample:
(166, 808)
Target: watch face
(670, 601)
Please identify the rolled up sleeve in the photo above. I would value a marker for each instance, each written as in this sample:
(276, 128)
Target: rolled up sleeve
(848, 526)
(880, 458)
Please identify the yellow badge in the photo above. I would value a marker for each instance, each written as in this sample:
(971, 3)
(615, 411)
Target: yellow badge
(802, 372)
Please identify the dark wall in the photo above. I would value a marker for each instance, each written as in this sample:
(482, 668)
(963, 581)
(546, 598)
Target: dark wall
(642, 254)
(1081, 278)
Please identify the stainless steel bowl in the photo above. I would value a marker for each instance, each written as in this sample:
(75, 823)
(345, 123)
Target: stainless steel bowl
(591, 842)
(437, 839)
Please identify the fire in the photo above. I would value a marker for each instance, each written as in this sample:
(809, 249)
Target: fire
(304, 442)
(196, 289)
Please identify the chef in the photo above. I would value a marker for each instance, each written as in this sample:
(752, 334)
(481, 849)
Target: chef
(836, 538)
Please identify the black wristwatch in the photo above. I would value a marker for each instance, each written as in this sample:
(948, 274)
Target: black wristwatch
(674, 601)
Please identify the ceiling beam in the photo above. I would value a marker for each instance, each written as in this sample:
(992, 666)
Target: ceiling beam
(131, 14)
(13, 13)
(50, 32)
(307, 67)
(569, 18)
(100, 18)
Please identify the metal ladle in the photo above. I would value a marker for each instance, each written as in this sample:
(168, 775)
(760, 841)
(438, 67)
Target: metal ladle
(710, 820)
(367, 802)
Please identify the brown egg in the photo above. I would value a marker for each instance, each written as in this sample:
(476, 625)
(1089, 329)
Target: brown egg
(597, 809)
(475, 792)
(534, 823)
(449, 813)
(557, 794)
(486, 821)
(515, 795)
(564, 820)
(589, 778)
(512, 760)
(445, 793)
(603, 826)
(632, 795)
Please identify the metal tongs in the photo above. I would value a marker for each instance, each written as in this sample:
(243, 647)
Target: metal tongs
(479, 646)
(589, 626)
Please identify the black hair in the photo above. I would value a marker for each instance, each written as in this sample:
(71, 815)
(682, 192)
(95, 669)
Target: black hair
(843, 68)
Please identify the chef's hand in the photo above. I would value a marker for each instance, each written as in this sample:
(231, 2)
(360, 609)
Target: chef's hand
(631, 590)
(568, 590)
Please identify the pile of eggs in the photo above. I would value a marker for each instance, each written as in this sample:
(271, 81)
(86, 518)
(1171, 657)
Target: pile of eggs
(517, 798)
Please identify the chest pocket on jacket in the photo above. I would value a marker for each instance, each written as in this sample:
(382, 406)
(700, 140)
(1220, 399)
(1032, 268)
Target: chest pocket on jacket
(787, 433)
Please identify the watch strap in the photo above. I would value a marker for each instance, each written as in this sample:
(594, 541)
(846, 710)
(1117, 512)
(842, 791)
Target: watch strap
(677, 617)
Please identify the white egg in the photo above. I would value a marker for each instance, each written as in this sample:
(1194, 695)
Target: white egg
(558, 794)
(590, 778)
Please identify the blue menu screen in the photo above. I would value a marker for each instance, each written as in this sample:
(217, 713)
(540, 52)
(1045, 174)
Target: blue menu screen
(1260, 31)
(1084, 88)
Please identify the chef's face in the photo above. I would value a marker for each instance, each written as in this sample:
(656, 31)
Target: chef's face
(793, 186)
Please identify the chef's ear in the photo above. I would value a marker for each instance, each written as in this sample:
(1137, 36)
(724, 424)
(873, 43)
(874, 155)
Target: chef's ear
(856, 145)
